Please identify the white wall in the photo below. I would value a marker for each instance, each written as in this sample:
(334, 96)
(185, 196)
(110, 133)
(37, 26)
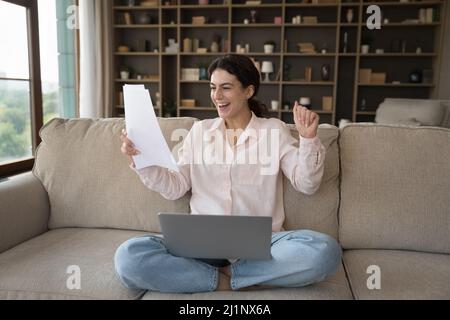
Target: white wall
(444, 88)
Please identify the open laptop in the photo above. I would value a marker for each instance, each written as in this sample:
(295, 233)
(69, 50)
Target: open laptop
(217, 236)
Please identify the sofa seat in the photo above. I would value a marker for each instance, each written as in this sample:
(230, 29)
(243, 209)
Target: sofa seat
(334, 288)
(37, 269)
(405, 275)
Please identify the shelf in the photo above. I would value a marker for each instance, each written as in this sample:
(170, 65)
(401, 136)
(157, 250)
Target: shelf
(343, 86)
(135, 8)
(407, 25)
(206, 6)
(202, 54)
(354, 24)
(206, 25)
(401, 85)
(136, 26)
(136, 54)
(309, 83)
(262, 5)
(311, 25)
(315, 55)
(256, 25)
(311, 5)
(399, 55)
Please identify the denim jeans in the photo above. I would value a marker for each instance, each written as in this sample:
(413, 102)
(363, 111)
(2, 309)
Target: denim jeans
(299, 258)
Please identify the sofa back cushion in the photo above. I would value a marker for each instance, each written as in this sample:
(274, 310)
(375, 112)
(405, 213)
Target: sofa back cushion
(89, 181)
(411, 112)
(318, 211)
(395, 188)
(446, 120)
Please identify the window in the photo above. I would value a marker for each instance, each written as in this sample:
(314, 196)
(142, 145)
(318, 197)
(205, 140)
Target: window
(35, 85)
(20, 86)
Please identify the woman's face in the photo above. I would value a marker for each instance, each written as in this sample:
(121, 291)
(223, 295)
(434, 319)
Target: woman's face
(228, 95)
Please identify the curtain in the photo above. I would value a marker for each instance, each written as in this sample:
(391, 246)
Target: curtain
(96, 92)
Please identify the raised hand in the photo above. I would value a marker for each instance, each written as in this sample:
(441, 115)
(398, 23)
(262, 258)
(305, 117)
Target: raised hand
(127, 147)
(306, 121)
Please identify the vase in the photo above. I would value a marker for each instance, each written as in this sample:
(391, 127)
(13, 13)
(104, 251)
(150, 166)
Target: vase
(268, 48)
(124, 75)
(325, 72)
(350, 15)
(214, 47)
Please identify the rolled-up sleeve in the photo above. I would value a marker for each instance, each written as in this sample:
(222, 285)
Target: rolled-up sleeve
(170, 184)
(302, 165)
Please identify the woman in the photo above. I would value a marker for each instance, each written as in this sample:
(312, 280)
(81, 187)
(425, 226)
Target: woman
(299, 257)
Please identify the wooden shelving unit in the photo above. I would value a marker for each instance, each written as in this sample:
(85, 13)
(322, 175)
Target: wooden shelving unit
(158, 24)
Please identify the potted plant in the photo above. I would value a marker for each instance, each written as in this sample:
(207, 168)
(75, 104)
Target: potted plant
(125, 72)
(269, 46)
(366, 41)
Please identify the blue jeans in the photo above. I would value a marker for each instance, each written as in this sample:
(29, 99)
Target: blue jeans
(299, 258)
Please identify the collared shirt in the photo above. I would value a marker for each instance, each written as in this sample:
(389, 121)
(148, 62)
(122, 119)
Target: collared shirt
(244, 178)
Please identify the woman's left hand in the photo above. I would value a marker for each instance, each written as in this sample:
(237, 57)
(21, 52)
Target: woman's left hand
(306, 121)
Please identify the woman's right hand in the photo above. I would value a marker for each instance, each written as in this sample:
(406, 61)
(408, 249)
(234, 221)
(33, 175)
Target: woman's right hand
(127, 147)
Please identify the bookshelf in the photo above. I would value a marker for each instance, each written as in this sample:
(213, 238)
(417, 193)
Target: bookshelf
(145, 31)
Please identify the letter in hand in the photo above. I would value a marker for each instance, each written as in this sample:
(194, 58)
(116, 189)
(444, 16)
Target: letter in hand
(306, 121)
(127, 147)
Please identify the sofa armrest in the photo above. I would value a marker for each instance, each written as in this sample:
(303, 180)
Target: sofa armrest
(24, 209)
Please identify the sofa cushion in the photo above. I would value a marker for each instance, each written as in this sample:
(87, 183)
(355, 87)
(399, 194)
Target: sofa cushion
(334, 288)
(37, 269)
(403, 275)
(395, 188)
(319, 211)
(410, 112)
(89, 181)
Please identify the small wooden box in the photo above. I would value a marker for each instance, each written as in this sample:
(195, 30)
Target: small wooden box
(378, 78)
(198, 20)
(327, 103)
(365, 75)
(188, 103)
(310, 19)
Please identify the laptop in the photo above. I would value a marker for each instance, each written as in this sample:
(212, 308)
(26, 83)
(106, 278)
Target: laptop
(217, 236)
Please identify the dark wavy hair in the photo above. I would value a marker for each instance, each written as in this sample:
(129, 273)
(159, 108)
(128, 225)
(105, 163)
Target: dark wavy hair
(243, 68)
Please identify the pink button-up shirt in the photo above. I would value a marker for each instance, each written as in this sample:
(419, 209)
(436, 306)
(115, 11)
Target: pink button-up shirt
(244, 178)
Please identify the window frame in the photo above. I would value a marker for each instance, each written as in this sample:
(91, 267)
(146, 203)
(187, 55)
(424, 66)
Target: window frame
(36, 112)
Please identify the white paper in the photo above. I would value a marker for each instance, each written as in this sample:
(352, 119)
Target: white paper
(144, 130)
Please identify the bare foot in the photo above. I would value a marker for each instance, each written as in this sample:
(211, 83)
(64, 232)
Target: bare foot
(224, 282)
(226, 270)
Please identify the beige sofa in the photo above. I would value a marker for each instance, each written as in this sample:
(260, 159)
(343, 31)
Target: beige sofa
(384, 195)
